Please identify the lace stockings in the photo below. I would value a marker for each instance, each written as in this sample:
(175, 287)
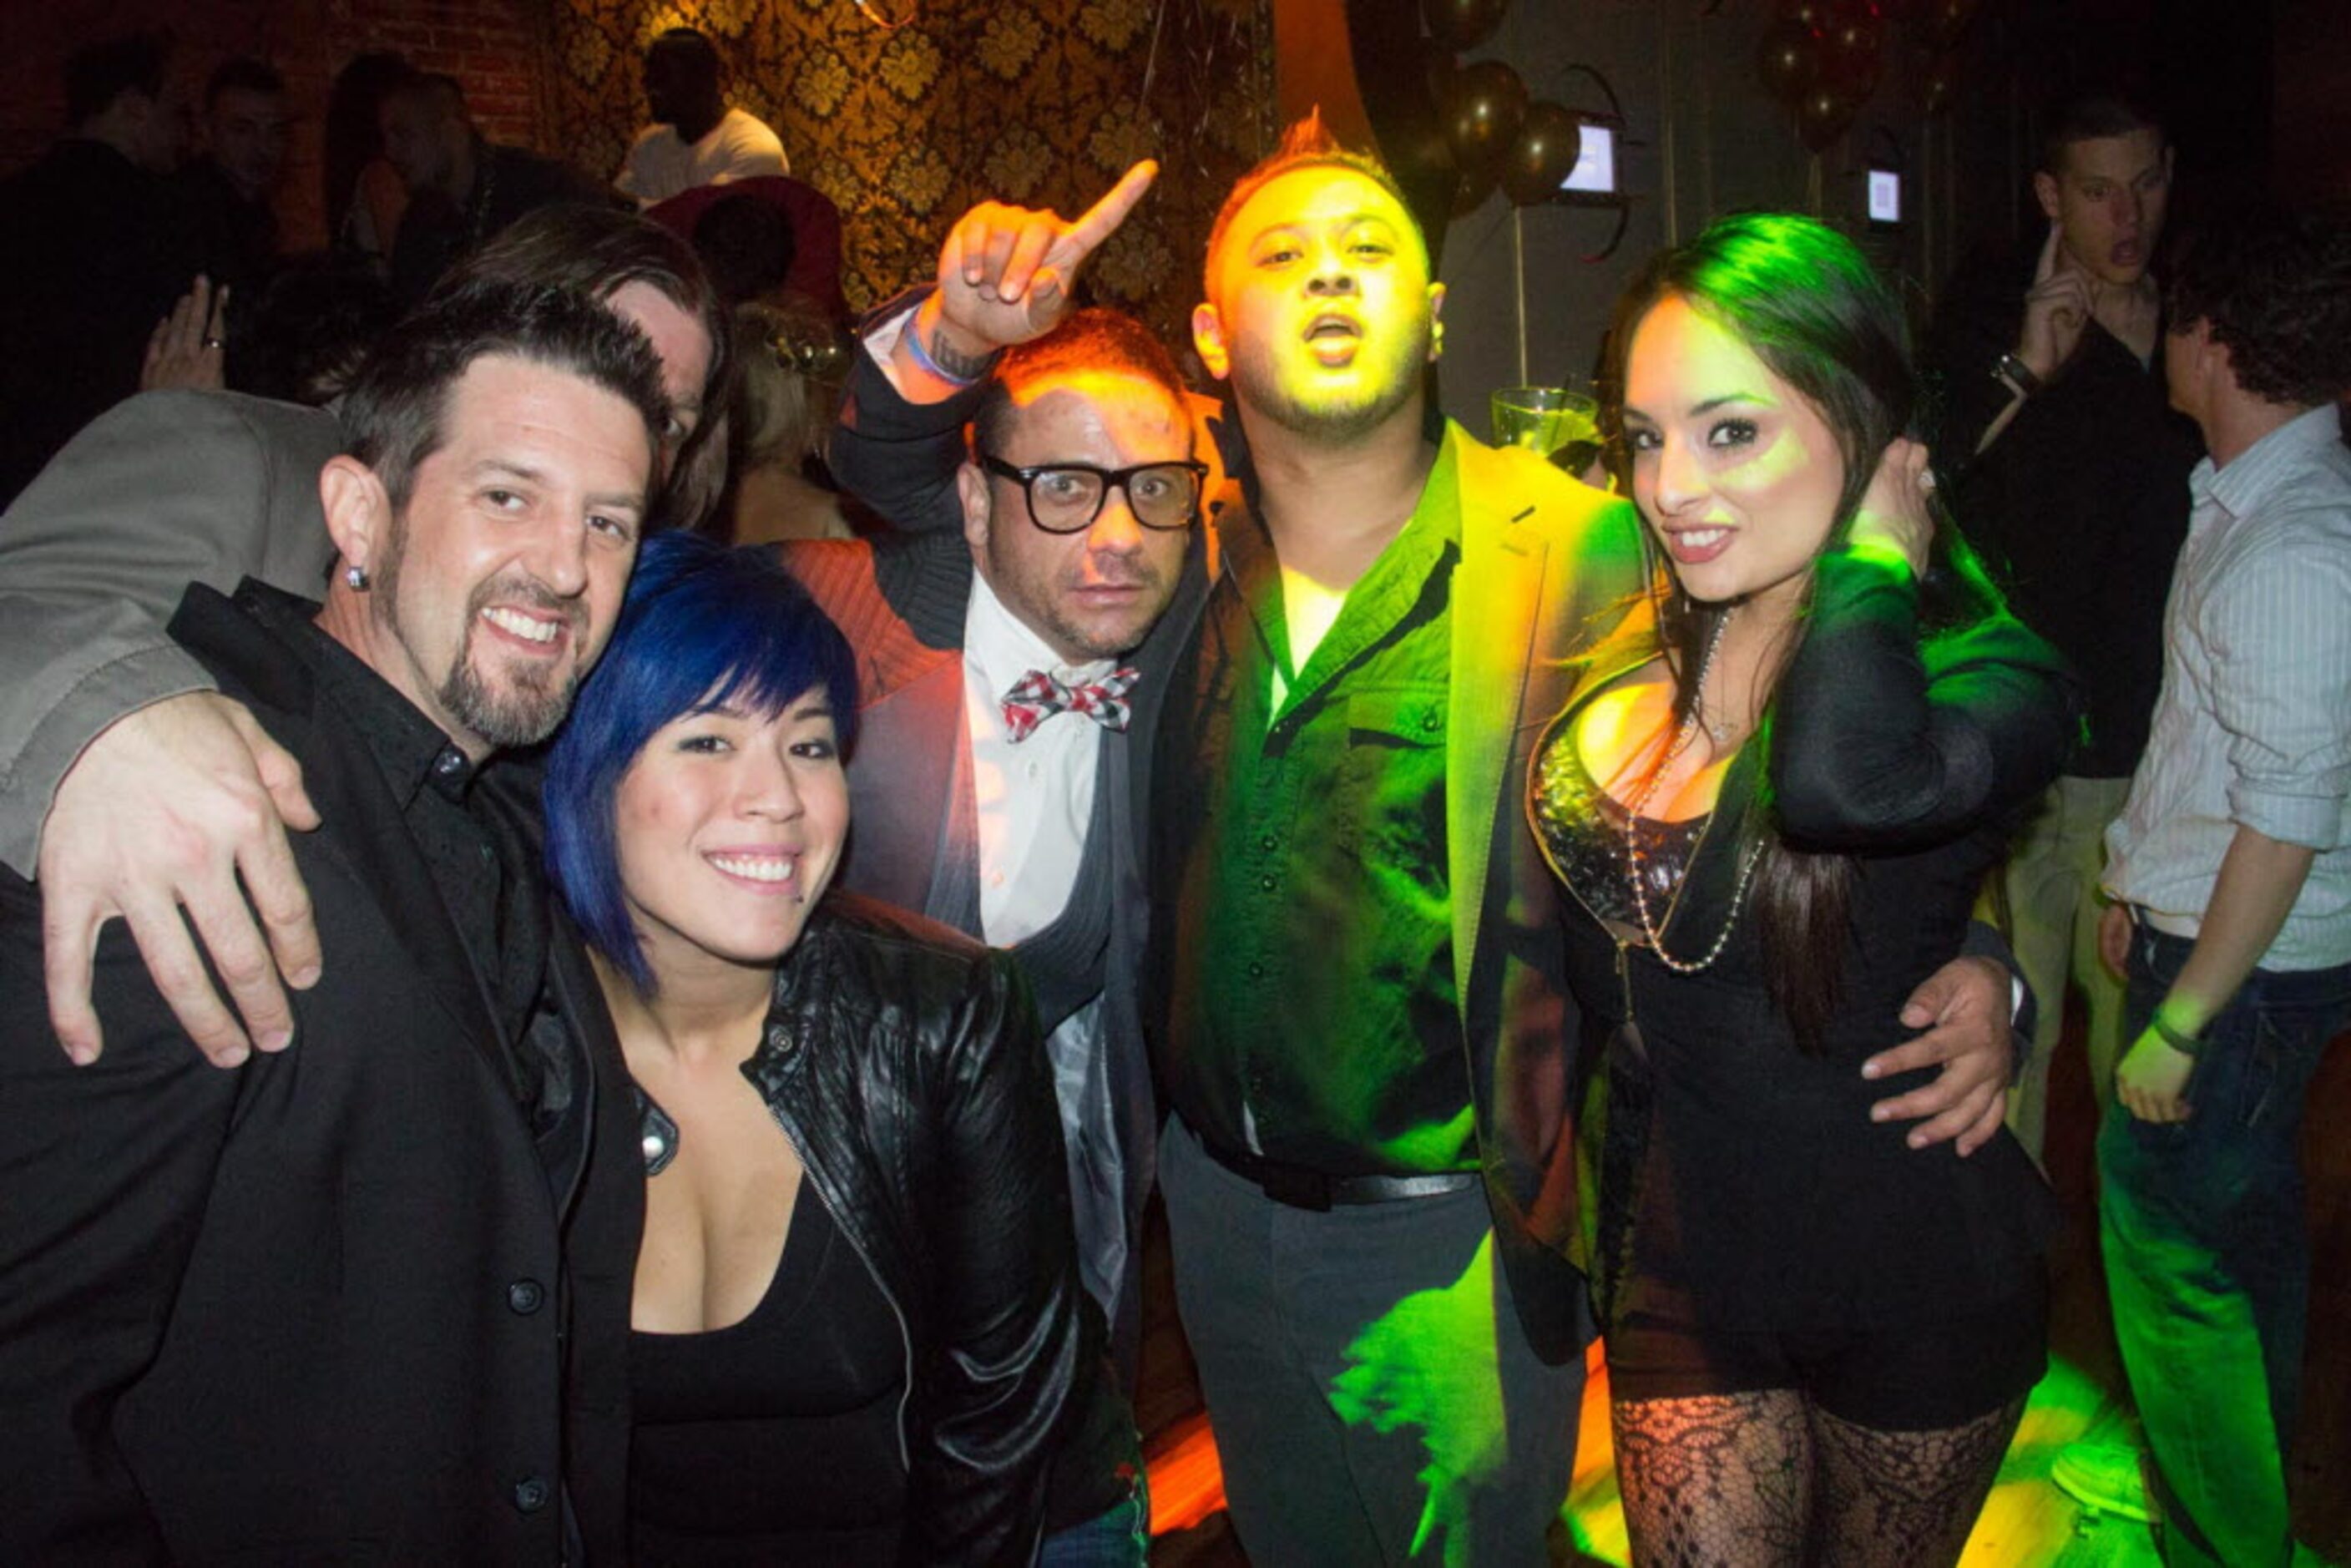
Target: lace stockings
(1764, 1479)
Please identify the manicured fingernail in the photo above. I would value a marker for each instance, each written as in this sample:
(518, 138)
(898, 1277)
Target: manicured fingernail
(276, 1039)
(304, 977)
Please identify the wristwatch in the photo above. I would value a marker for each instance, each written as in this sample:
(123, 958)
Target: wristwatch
(2016, 373)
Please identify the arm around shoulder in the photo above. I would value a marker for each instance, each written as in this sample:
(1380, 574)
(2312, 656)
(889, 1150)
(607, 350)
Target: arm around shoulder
(166, 489)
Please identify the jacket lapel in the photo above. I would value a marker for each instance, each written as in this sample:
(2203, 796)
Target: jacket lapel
(1496, 592)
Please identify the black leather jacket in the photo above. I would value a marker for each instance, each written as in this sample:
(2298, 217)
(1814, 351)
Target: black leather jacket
(904, 1063)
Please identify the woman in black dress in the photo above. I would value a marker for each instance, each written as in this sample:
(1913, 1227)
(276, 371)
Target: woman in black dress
(1771, 796)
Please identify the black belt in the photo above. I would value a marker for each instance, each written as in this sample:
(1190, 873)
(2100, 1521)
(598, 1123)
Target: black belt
(1316, 1191)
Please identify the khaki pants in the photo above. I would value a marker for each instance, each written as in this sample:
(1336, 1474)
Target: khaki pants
(2052, 883)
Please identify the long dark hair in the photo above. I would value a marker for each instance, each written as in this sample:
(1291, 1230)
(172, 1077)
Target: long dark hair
(1806, 301)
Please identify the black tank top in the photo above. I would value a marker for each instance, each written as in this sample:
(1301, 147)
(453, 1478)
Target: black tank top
(775, 1440)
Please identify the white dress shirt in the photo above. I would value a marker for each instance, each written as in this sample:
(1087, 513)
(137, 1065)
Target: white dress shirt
(1033, 801)
(2253, 725)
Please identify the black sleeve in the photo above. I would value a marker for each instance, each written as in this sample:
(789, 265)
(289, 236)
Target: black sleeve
(1011, 1340)
(898, 457)
(1978, 323)
(1878, 744)
(106, 1171)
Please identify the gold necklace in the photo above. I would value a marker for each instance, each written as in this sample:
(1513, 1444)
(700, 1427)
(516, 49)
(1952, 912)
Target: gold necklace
(1681, 742)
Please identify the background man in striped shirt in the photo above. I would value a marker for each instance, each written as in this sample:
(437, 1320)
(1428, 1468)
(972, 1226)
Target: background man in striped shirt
(2230, 868)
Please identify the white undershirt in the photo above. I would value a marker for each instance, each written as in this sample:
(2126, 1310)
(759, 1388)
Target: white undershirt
(1035, 801)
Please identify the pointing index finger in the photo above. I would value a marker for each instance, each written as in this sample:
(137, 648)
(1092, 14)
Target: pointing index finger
(1101, 220)
(2046, 268)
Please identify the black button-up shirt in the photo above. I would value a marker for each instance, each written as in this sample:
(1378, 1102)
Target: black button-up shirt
(2081, 504)
(1313, 1014)
(483, 865)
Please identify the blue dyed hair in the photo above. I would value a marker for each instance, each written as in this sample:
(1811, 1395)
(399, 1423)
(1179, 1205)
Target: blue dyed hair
(701, 626)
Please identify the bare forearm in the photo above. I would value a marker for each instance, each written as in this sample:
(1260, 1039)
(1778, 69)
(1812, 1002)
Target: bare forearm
(2259, 880)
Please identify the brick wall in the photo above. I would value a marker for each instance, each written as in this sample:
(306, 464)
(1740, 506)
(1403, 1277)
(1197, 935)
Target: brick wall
(491, 46)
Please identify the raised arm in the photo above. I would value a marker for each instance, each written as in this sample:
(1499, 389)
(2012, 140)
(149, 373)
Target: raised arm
(140, 819)
(1879, 743)
(1003, 277)
(1011, 1342)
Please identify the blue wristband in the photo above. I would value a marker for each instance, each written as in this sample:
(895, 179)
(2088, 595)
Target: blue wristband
(913, 338)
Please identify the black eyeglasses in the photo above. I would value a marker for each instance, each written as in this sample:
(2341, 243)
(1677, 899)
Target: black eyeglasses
(1066, 497)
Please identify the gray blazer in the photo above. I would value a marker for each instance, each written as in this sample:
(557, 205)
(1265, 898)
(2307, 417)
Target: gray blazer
(164, 489)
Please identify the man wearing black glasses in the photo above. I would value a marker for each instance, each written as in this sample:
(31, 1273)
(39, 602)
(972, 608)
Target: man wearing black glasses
(1014, 647)
(1010, 676)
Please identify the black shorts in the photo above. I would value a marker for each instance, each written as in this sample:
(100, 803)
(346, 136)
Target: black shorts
(1924, 1376)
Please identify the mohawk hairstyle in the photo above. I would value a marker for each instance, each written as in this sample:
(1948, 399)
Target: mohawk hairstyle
(1305, 144)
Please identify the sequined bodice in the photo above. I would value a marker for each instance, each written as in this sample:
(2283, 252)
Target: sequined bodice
(1584, 828)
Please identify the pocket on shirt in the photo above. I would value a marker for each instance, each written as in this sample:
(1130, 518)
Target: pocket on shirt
(1392, 778)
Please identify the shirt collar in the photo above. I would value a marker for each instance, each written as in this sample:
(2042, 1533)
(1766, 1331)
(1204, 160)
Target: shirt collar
(2273, 460)
(410, 749)
(1001, 649)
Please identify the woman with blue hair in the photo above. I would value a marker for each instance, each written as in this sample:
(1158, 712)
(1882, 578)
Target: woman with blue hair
(856, 1319)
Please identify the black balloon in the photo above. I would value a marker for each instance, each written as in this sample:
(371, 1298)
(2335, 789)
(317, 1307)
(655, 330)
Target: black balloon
(1856, 55)
(1947, 19)
(1415, 149)
(1549, 140)
(1481, 107)
(1788, 60)
(1459, 24)
(1821, 115)
(1854, 34)
(1475, 186)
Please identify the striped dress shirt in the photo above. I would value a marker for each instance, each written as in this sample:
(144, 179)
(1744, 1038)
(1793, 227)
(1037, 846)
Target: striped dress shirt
(2253, 725)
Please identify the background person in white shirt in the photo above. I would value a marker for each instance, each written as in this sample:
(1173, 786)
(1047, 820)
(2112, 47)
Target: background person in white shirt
(2230, 868)
(694, 139)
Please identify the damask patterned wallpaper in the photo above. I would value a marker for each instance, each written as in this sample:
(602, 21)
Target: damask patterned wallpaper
(905, 112)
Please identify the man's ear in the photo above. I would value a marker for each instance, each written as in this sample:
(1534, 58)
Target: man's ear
(2212, 357)
(971, 489)
(1208, 336)
(359, 512)
(2044, 187)
(1435, 322)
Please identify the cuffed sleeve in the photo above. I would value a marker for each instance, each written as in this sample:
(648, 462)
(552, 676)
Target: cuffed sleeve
(898, 457)
(2280, 637)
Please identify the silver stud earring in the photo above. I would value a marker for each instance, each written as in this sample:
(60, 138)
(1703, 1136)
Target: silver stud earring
(357, 577)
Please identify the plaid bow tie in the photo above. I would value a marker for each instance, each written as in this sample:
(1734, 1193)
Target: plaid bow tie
(1038, 697)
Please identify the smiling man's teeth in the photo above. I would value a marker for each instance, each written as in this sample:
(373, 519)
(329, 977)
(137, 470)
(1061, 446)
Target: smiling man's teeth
(528, 628)
(754, 868)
